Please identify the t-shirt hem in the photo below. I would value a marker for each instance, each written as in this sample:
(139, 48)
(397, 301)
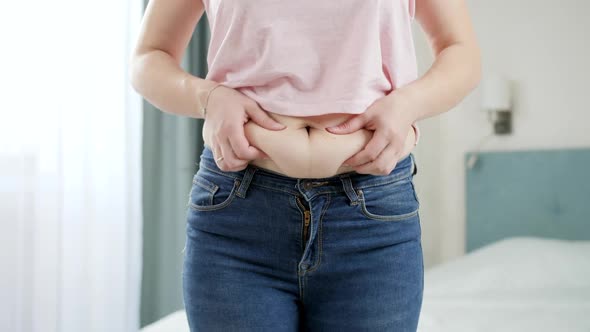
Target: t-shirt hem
(290, 108)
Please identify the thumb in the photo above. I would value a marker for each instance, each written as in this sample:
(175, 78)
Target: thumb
(260, 117)
(351, 125)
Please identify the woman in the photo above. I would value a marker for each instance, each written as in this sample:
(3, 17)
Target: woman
(303, 213)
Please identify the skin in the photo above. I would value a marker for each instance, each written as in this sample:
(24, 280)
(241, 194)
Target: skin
(156, 74)
(313, 152)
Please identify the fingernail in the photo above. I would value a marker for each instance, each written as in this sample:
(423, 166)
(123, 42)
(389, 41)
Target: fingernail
(346, 164)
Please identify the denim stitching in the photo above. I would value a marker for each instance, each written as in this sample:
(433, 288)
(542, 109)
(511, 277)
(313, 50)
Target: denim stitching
(340, 190)
(221, 205)
(349, 191)
(381, 183)
(396, 218)
(299, 281)
(223, 174)
(375, 184)
(291, 192)
(205, 184)
(315, 267)
(302, 283)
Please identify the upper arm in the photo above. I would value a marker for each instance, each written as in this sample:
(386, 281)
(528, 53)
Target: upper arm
(168, 25)
(445, 22)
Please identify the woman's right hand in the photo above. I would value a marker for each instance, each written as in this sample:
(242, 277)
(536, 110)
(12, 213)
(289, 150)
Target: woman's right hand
(228, 110)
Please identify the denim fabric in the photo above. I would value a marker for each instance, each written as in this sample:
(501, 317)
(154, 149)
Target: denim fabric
(251, 264)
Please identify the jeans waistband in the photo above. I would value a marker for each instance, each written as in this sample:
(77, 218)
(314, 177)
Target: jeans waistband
(252, 174)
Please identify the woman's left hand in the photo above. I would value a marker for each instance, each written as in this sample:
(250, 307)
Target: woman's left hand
(390, 118)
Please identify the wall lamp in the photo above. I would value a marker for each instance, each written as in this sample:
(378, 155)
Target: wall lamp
(497, 101)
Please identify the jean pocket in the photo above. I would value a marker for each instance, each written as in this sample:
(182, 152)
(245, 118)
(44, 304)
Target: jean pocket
(396, 201)
(211, 192)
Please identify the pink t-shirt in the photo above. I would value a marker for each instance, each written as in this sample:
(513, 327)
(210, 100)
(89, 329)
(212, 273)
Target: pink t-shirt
(311, 57)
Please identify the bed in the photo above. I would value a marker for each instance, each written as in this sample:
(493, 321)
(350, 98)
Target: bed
(515, 284)
(174, 322)
(527, 265)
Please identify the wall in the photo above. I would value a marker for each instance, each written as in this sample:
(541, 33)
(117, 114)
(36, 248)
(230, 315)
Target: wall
(541, 45)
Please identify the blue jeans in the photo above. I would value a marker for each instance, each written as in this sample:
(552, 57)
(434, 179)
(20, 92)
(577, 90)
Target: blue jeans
(267, 252)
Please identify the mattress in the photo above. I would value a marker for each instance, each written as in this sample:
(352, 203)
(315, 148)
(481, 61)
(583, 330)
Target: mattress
(515, 284)
(174, 322)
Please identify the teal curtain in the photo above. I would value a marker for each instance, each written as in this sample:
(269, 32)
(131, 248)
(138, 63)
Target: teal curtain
(172, 145)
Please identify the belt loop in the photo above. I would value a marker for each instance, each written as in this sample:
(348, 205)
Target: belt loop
(349, 189)
(414, 166)
(245, 182)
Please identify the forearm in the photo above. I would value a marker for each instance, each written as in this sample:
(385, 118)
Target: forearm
(161, 81)
(455, 72)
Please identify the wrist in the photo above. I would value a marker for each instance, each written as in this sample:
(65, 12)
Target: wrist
(401, 109)
(405, 106)
(408, 98)
(203, 89)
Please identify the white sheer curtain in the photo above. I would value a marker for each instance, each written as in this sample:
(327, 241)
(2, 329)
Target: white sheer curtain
(70, 167)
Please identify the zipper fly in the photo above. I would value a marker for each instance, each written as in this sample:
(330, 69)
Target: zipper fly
(306, 225)
(306, 220)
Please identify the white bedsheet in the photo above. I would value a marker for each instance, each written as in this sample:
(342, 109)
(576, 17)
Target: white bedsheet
(517, 284)
(174, 322)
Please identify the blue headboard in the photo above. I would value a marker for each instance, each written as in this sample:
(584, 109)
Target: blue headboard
(543, 193)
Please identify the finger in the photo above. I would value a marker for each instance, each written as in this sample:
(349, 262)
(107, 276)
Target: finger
(384, 164)
(230, 161)
(242, 148)
(214, 149)
(370, 152)
(261, 117)
(217, 153)
(351, 125)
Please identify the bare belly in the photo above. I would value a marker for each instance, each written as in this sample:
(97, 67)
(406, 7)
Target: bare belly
(297, 153)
